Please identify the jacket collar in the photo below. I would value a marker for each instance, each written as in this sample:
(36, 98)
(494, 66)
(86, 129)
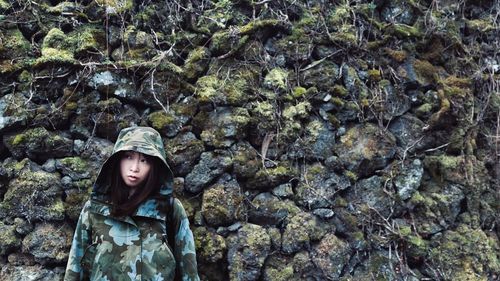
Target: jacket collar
(151, 208)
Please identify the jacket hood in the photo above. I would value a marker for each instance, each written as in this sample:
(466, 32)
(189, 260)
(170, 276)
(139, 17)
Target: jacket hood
(145, 140)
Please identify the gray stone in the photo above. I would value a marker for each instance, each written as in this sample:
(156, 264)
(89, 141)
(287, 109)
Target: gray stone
(409, 133)
(283, 190)
(324, 213)
(108, 82)
(96, 151)
(398, 12)
(210, 166)
(14, 112)
(408, 181)
(49, 166)
(370, 193)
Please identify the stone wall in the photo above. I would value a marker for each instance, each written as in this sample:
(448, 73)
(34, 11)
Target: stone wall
(311, 140)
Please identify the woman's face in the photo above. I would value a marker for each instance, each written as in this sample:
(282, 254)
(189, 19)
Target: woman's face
(134, 168)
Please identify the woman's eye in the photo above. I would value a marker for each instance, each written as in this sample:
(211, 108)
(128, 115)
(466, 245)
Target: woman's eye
(144, 160)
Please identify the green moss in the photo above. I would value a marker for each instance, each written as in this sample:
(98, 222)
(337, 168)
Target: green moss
(339, 15)
(207, 88)
(264, 109)
(51, 55)
(14, 44)
(18, 139)
(403, 31)
(340, 90)
(426, 71)
(397, 55)
(160, 119)
(116, 6)
(298, 92)
(282, 274)
(277, 78)
(4, 5)
(466, 252)
(374, 75)
(76, 164)
(301, 110)
(56, 208)
(481, 26)
(424, 109)
(351, 175)
(194, 65)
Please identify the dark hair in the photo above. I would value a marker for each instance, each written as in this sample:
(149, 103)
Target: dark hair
(122, 205)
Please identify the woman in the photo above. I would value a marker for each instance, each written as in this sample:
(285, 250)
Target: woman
(122, 230)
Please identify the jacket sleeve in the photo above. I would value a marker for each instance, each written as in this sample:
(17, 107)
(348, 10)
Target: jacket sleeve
(185, 253)
(81, 241)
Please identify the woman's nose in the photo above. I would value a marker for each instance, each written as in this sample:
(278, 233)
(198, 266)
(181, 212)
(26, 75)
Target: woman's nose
(134, 166)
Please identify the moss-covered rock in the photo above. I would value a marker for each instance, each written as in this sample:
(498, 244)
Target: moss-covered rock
(8, 238)
(14, 45)
(56, 48)
(34, 195)
(247, 251)
(301, 230)
(184, 150)
(245, 160)
(116, 7)
(74, 167)
(38, 143)
(331, 262)
(268, 178)
(276, 79)
(223, 203)
(318, 187)
(196, 63)
(49, 242)
(465, 254)
(364, 149)
(224, 126)
(210, 247)
(75, 199)
(267, 209)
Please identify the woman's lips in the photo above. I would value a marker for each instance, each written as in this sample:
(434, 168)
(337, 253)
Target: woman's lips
(132, 178)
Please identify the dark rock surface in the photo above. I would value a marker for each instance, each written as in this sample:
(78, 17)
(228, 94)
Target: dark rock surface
(310, 140)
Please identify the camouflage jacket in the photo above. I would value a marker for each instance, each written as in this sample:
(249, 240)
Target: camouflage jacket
(134, 247)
